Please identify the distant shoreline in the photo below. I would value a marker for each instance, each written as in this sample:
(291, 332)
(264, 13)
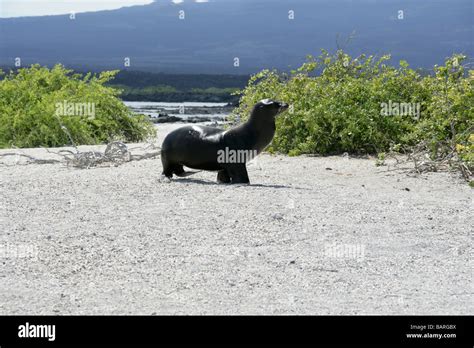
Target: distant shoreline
(177, 88)
(189, 112)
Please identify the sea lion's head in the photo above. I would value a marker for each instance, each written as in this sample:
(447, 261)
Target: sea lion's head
(262, 123)
(268, 109)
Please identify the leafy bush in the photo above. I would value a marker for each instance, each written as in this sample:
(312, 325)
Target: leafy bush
(336, 106)
(30, 99)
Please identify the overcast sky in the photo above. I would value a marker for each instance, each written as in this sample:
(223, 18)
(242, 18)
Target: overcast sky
(19, 8)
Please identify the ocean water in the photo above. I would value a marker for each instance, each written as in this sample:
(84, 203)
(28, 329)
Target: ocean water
(206, 111)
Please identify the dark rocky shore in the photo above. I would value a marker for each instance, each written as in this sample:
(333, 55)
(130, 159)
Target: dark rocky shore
(190, 114)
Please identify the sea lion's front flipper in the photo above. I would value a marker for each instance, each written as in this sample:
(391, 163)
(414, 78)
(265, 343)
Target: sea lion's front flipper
(238, 173)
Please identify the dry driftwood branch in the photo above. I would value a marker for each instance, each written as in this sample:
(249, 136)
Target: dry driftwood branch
(31, 158)
(422, 162)
(115, 154)
(145, 156)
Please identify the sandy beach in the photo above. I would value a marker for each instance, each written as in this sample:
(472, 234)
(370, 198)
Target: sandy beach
(310, 235)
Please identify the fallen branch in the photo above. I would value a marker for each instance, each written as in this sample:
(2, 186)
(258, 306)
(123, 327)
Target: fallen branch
(421, 159)
(116, 153)
(31, 158)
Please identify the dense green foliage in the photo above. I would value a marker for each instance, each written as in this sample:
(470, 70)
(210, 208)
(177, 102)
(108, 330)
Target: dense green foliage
(339, 109)
(31, 114)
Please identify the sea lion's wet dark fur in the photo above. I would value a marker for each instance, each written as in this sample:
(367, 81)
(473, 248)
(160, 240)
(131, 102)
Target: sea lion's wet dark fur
(198, 146)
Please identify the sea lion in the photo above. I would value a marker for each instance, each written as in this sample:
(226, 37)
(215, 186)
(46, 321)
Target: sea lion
(224, 151)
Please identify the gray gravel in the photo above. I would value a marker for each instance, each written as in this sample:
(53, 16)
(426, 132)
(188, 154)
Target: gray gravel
(302, 239)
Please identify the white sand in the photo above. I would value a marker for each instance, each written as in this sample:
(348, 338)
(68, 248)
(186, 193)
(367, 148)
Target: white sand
(117, 241)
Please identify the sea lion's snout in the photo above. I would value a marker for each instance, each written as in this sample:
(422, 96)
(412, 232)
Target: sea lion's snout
(269, 108)
(283, 107)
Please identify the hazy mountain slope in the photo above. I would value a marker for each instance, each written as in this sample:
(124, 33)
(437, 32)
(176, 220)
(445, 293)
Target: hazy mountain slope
(258, 32)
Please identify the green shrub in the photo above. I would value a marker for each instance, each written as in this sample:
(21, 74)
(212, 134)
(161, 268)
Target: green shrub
(30, 115)
(337, 102)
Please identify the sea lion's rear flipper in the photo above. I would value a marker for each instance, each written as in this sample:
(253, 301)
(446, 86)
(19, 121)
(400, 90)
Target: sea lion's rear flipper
(177, 169)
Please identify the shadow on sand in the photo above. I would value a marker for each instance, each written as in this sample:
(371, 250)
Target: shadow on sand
(215, 183)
